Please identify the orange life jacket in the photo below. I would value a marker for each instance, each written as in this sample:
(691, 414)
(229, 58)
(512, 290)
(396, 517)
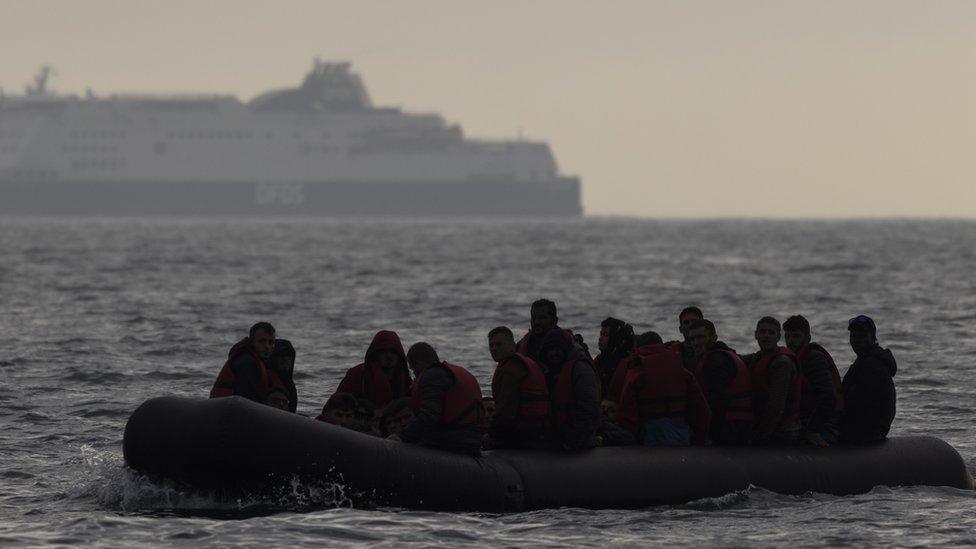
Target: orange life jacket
(226, 380)
(740, 393)
(563, 398)
(760, 386)
(533, 393)
(462, 401)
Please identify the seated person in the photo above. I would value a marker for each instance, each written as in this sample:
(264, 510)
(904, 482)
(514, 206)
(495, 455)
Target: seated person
(727, 384)
(396, 416)
(246, 371)
(661, 403)
(383, 375)
(281, 365)
(775, 387)
(574, 391)
(489, 404)
(339, 410)
(521, 418)
(446, 402)
(869, 387)
(616, 343)
(821, 403)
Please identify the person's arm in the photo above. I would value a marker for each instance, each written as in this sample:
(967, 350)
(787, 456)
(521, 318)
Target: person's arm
(434, 383)
(351, 383)
(585, 415)
(816, 372)
(781, 372)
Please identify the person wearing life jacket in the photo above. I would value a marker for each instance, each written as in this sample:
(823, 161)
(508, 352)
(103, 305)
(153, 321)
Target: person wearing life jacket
(543, 319)
(821, 400)
(574, 391)
(661, 402)
(775, 387)
(446, 402)
(396, 416)
(281, 369)
(246, 372)
(521, 396)
(383, 375)
(339, 410)
(727, 384)
(868, 386)
(687, 352)
(616, 343)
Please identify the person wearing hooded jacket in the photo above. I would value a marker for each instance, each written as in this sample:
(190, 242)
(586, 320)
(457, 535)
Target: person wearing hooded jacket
(246, 371)
(661, 402)
(616, 343)
(574, 390)
(383, 375)
(868, 386)
(281, 366)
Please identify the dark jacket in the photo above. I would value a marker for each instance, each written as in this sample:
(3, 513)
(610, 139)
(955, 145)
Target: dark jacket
(719, 371)
(369, 381)
(426, 428)
(818, 376)
(282, 364)
(869, 397)
(579, 431)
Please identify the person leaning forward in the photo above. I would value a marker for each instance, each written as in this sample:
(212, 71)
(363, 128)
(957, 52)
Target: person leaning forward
(383, 375)
(446, 401)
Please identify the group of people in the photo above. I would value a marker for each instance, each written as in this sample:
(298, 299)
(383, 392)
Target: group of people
(547, 392)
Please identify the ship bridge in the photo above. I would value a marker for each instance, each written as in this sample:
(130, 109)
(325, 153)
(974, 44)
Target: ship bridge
(329, 87)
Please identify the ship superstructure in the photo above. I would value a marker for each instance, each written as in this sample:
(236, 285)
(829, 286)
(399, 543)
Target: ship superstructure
(320, 148)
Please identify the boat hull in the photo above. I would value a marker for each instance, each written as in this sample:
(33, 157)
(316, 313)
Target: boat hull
(231, 444)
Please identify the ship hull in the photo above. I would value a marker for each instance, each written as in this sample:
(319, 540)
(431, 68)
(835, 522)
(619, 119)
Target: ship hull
(557, 197)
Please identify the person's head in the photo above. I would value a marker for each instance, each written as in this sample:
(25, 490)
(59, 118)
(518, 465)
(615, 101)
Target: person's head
(340, 409)
(283, 358)
(422, 356)
(608, 409)
(501, 343)
(687, 316)
(387, 359)
(615, 333)
(278, 400)
(701, 335)
(395, 417)
(768, 333)
(489, 404)
(556, 348)
(544, 318)
(863, 333)
(364, 416)
(262, 338)
(796, 332)
(648, 338)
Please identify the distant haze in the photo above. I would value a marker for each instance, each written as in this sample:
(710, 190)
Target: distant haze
(664, 109)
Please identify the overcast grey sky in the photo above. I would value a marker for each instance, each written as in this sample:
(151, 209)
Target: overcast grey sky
(665, 109)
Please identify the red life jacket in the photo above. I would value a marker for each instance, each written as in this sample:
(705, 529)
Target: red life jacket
(563, 398)
(808, 400)
(619, 376)
(533, 393)
(226, 380)
(740, 393)
(664, 392)
(760, 386)
(369, 381)
(462, 401)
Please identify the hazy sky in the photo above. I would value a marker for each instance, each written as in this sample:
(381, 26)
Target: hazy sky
(664, 109)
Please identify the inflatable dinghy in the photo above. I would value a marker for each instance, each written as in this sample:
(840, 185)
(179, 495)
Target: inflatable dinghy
(235, 445)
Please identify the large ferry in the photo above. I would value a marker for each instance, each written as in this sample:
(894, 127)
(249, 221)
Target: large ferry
(319, 149)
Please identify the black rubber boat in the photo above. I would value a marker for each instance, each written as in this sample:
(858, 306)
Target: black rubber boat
(234, 445)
